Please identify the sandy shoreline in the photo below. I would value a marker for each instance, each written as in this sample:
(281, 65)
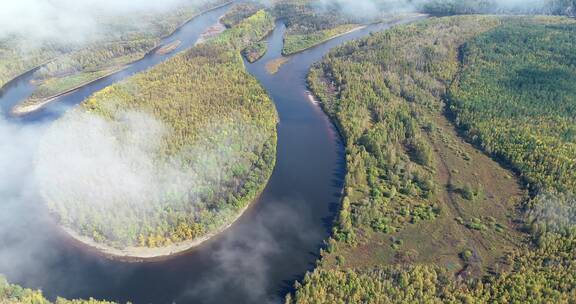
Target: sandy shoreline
(312, 98)
(137, 253)
(33, 105)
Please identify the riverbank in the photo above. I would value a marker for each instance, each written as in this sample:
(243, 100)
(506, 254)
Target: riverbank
(3, 86)
(33, 105)
(385, 20)
(140, 254)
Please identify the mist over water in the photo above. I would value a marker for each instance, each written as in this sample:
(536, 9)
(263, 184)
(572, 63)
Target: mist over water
(17, 144)
(122, 177)
(76, 21)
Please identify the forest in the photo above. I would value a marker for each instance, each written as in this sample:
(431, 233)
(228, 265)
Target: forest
(392, 170)
(14, 294)
(67, 65)
(218, 170)
(518, 100)
(239, 12)
(256, 49)
(308, 25)
(488, 79)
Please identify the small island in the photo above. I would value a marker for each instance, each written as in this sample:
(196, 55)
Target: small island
(168, 48)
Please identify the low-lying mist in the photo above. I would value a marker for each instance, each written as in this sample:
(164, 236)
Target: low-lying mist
(372, 8)
(126, 180)
(94, 161)
(72, 21)
(33, 22)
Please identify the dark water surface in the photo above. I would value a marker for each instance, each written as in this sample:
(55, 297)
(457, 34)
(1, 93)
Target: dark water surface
(257, 260)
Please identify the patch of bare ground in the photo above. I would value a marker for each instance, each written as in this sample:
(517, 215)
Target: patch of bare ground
(471, 235)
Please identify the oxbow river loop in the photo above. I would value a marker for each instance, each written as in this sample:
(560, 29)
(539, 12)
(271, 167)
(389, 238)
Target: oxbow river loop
(258, 258)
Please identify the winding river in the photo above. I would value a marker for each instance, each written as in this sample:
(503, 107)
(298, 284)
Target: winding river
(256, 260)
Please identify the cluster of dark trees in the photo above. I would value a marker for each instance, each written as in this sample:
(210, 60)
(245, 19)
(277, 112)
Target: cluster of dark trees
(516, 98)
(304, 16)
(240, 12)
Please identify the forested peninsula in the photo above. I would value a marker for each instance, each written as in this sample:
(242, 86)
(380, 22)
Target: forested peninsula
(205, 170)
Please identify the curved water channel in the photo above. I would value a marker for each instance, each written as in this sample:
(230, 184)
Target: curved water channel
(256, 260)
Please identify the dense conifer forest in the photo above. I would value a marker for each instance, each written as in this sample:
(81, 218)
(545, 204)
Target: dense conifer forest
(518, 99)
(450, 7)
